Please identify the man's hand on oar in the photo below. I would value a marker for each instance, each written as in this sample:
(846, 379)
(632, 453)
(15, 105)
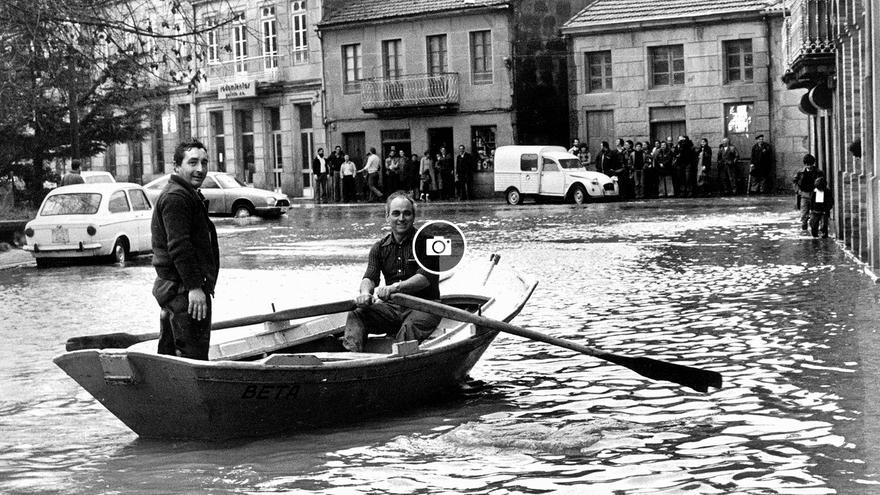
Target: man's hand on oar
(688, 376)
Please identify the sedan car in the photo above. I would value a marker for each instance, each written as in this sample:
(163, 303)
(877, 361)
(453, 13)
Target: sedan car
(227, 195)
(105, 221)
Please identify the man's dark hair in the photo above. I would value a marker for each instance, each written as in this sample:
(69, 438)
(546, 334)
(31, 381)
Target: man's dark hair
(185, 146)
(75, 164)
(809, 159)
(373, 150)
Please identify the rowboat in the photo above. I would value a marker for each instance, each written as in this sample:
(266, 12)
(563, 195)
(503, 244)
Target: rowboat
(283, 375)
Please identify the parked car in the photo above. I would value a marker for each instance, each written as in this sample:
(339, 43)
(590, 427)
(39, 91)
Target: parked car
(227, 195)
(548, 172)
(104, 220)
(97, 176)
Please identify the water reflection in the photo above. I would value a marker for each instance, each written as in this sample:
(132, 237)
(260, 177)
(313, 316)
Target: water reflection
(728, 285)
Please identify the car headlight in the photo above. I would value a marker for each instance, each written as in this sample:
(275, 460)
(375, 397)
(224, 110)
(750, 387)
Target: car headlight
(270, 201)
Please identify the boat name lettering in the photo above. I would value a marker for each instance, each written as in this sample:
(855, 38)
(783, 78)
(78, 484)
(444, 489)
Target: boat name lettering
(264, 392)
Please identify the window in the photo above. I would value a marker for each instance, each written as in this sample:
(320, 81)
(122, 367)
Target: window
(481, 57)
(269, 28)
(300, 33)
(598, 66)
(306, 140)
(218, 135)
(139, 200)
(483, 144)
(244, 120)
(72, 204)
(212, 45)
(528, 162)
(239, 42)
(436, 54)
(738, 64)
(118, 202)
(351, 68)
(209, 183)
(184, 123)
(392, 59)
(667, 65)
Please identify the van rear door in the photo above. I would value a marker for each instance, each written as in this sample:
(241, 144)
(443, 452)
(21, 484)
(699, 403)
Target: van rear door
(530, 176)
(552, 178)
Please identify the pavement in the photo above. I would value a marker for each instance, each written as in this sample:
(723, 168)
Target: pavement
(11, 257)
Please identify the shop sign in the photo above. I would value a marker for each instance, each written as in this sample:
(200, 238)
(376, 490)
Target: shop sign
(229, 91)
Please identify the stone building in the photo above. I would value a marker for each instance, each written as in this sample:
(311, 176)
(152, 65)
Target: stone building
(705, 68)
(418, 76)
(260, 110)
(832, 52)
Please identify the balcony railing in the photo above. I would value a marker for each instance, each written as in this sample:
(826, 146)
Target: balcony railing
(809, 45)
(410, 91)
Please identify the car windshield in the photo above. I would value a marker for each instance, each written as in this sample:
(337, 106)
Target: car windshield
(228, 181)
(569, 163)
(72, 204)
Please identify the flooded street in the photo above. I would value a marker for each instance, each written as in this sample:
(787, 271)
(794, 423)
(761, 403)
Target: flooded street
(726, 284)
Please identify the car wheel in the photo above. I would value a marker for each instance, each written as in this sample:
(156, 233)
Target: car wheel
(242, 210)
(579, 195)
(120, 251)
(513, 197)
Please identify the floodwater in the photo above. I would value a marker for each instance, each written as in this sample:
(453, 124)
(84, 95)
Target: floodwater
(724, 284)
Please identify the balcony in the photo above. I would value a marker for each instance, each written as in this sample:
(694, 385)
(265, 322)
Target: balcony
(273, 69)
(808, 44)
(433, 93)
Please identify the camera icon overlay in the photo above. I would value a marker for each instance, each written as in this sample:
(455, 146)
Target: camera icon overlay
(439, 246)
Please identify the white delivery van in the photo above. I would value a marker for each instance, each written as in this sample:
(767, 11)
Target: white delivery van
(548, 171)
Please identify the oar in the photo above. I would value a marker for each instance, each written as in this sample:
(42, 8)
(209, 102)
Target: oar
(695, 378)
(121, 340)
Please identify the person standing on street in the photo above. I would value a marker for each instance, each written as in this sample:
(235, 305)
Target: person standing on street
(464, 166)
(73, 177)
(821, 202)
(320, 169)
(761, 166)
(336, 160)
(805, 182)
(373, 169)
(347, 170)
(447, 174)
(727, 159)
(186, 257)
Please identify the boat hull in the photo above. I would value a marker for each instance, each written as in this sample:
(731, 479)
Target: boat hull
(168, 397)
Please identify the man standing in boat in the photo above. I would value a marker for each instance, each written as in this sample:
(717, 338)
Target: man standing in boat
(393, 257)
(186, 256)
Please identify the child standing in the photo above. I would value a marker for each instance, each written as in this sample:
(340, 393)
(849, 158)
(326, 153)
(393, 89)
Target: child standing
(821, 202)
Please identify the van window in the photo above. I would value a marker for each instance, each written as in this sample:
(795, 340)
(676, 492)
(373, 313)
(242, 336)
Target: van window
(528, 162)
(550, 165)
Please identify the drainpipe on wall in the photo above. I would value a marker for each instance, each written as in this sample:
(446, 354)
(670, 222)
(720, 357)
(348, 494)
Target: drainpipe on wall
(871, 150)
(770, 99)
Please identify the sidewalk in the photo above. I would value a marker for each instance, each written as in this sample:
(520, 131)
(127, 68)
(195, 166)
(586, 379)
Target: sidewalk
(14, 257)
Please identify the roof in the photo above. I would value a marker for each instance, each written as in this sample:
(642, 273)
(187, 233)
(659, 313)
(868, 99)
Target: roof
(359, 11)
(97, 187)
(618, 13)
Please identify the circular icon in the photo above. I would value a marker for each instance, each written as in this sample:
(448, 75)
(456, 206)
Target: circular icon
(439, 246)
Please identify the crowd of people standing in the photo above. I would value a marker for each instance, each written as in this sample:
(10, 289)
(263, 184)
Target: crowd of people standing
(680, 168)
(426, 177)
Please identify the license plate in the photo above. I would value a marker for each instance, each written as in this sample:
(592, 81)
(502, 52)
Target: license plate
(60, 235)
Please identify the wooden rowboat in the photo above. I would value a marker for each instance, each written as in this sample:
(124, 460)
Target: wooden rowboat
(293, 374)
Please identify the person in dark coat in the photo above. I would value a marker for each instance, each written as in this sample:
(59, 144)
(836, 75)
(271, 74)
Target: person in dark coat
(821, 202)
(704, 168)
(321, 169)
(727, 160)
(186, 257)
(805, 183)
(604, 160)
(762, 165)
(446, 167)
(74, 176)
(464, 174)
(684, 173)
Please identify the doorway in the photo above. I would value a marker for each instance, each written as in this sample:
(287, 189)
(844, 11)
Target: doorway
(440, 137)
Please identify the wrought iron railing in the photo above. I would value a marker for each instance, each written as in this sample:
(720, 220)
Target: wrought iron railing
(808, 30)
(412, 90)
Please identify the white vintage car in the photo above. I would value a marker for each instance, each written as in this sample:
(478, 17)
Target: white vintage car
(104, 220)
(548, 172)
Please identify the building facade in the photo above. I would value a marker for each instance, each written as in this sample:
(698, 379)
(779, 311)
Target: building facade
(260, 109)
(706, 69)
(419, 76)
(832, 52)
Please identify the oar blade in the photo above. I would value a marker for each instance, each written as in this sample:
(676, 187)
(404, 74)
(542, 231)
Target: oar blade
(695, 378)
